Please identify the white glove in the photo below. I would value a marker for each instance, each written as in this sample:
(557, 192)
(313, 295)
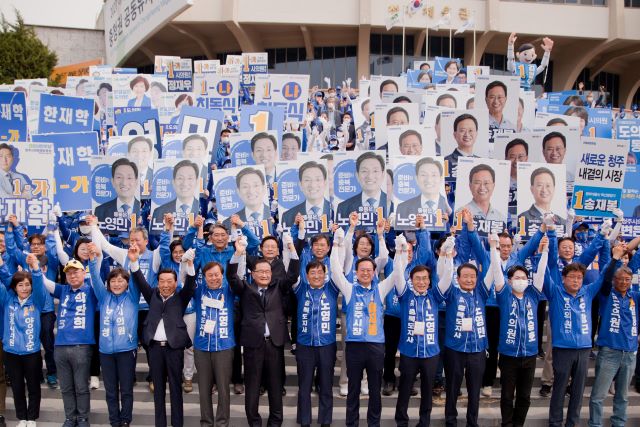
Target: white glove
(493, 237)
(338, 237)
(517, 239)
(348, 81)
(618, 213)
(327, 80)
(571, 213)
(401, 243)
(242, 240)
(548, 219)
(56, 210)
(606, 226)
(286, 239)
(279, 229)
(448, 245)
(53, 217)
(189, 255)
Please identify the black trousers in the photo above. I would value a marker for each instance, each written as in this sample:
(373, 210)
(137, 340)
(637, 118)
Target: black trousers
(568, 364)
(516, 378)
(309, 360)
(409, 369)
(95, 349)
(268, 358)
(47, 338)
(25, 369)
(493, 335)
(362, 356)
(391, 340)
(542, 314)
(142, 316)
(236, 374)
(470, 366)
(167, 363)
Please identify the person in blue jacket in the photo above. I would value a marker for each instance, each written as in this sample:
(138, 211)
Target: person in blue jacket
(466, 337)
(617, 340)
(22, 304)
(73, 341)
(214, 342)
(364, 328)
(570, 304)
(419, 349)
(118, 343)
(316, 350)
(518, 335)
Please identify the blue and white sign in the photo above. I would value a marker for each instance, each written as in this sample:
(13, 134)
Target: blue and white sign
(13, 116)
(64, 114)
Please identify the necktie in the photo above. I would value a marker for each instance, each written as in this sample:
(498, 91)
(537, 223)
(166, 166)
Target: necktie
(184, 208)
(430, 206)
(7, 184)
(125, 209)
(371, 202)
(262, 291)
(255, 217)
(315, 210)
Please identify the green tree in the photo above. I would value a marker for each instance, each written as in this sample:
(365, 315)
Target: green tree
(22, 54)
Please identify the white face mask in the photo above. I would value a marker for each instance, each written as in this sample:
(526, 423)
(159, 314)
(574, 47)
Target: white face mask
(85, 229)
(519, 285)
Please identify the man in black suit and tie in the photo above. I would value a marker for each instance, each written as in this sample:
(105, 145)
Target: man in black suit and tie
(252, 190)
(185, 185)
(313, 183)
(430, 181)
(264, 329)
(370, 172)
(124, 179)
(165, 332)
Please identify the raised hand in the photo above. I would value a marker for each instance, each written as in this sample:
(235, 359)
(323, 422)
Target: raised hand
(512, 39)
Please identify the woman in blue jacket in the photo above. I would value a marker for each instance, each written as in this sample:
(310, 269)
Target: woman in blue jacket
(118, 324)
(23, 303)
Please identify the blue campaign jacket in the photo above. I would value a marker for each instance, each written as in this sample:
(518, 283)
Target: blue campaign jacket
(118, 315)
(461, 304)
(419, 308)
(618, 315)
(222, 337)
(146, 266)
(570, 316)
(317, 310)
(75, 314)
(518, 322)
(21, 334)
(166, 261)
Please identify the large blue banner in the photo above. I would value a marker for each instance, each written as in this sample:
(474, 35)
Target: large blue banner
(63, 114)
(72, 156)
(144, 122)
(13, 116)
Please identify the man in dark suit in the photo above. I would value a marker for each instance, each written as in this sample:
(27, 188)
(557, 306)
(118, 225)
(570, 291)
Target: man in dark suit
(264, 329)
(252, 190)
(124, 179)
(165, 333)
(430, 181)
(313, 183)
(185, 185)
(370, 172)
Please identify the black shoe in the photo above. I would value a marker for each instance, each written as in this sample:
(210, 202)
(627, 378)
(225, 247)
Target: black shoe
(388, 388)
(541, 354)
(2, 421)
(545, 390)
(262, 391)
(414, 391)
(637, 387)
(437, 390)
(568, 390)
(592, 355)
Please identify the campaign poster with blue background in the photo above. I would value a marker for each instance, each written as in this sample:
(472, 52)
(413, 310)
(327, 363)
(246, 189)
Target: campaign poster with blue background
(61, 114)
(13, 116)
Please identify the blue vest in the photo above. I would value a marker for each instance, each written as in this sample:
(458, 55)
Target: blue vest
(527, 74)
(317, 308)
(518, 322)
(364, 315)
(214, 326)
(75, 315)
(145, 261)
(460, 307)
(619, 321)
(419, 308)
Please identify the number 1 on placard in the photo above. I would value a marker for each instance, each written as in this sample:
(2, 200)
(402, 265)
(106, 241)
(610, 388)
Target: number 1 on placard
(260, 121)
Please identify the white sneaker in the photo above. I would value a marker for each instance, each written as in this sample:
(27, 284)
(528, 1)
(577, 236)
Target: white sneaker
(94, 384)
(344, 390)
(22, 423)
(486, 391)
(31, 424)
